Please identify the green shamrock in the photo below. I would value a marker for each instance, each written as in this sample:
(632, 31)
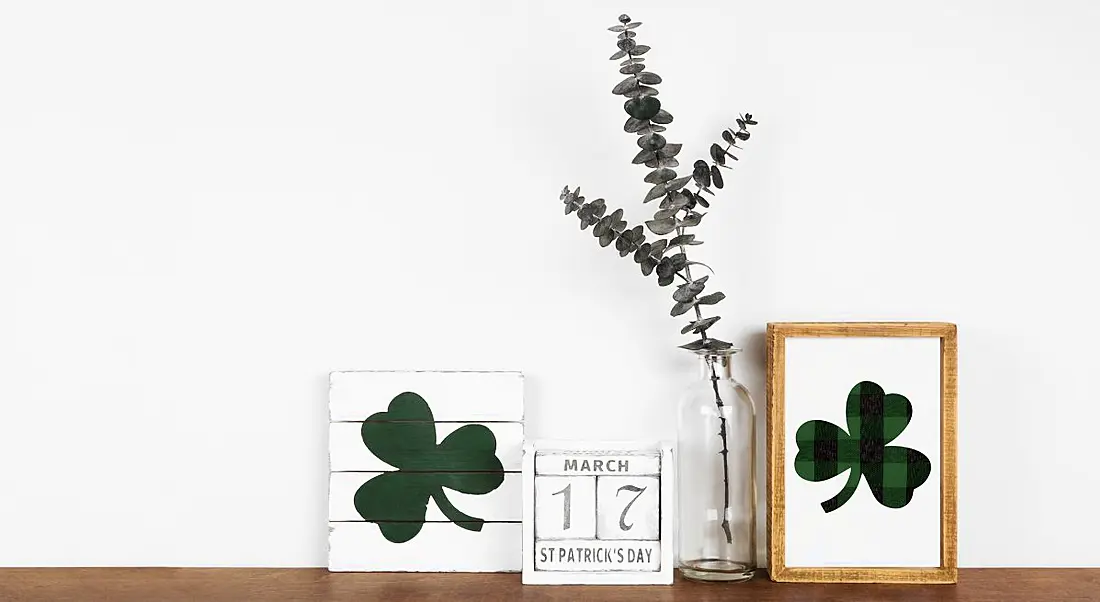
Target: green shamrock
(874, 419)
(404, 437)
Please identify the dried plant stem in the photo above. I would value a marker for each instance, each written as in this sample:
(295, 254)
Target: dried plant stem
(724, 453)
(722, 431)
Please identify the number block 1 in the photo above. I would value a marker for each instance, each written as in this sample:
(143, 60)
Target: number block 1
(597, 513)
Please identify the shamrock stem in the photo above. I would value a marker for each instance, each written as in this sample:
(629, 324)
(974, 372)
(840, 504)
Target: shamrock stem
(454, 514)
(845, 494)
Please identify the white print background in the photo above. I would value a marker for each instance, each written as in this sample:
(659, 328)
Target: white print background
(206, 206)
(862, 532)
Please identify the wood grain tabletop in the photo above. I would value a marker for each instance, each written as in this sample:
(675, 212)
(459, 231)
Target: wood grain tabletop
(279, 585)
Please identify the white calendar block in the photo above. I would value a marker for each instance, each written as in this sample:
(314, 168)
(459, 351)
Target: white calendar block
(597, 513)
(628, 508)
(565, 507)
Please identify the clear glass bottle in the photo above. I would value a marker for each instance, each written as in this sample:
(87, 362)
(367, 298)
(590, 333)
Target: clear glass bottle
(716, 479)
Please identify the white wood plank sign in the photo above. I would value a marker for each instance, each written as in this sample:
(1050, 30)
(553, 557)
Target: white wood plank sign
(597, 513)
(424, 471)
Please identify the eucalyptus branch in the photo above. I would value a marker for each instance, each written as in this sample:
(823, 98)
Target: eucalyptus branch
(612, 228)
(677, 211)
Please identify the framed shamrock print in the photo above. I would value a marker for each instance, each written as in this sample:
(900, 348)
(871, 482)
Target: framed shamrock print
(425, 471)
(861, 452)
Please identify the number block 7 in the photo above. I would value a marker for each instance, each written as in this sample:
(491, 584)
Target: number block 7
(628, 508)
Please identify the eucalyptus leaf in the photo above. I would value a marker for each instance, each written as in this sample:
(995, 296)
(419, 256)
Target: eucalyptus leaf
(666, 161)
(664, 268)
(681, 308)
(686, 292)
(716, 345)
(662, 117)
(665, 214)
(642, 108)
(661, 227)
(632, 25)
(716, 176)
(640, 49)
(679, 261)
(684, 239)
(700, 325)
(625, 86)
(643, 156)
(653, 142)
(678, 200)
(627, 34)
(606, 238)
(665, 279)
(631, 240)
(716, 152)
(647, 265)
(616, 28)
(632, 61)
(658, 247)
(727, 135)
(670, 150)
(651, 128)
(602, 227)
(618, 55)
(711, 299)
(692, 219)
(632, 68)
(742, 135)
(660, 176)
(678, 183)
(655, 192)
(701, 174)
(632, 125)
(649, 78)
(626, 44)
(642, 252)
(696, 345)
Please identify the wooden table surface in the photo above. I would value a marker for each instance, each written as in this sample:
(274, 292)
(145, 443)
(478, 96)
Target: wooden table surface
(278, 585)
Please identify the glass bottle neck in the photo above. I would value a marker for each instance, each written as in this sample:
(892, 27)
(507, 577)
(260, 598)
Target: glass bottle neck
(720, 364)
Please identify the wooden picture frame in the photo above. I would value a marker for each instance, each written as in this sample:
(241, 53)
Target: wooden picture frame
(779, 336)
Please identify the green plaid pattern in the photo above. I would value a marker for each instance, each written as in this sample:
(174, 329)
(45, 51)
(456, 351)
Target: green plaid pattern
(874, 420)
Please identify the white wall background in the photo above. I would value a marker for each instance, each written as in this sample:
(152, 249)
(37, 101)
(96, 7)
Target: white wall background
(206, 206)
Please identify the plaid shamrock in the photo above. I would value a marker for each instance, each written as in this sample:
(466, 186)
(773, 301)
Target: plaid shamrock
(874, 419)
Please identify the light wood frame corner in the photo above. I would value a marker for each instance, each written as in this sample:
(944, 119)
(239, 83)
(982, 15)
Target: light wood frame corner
(777, 334)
